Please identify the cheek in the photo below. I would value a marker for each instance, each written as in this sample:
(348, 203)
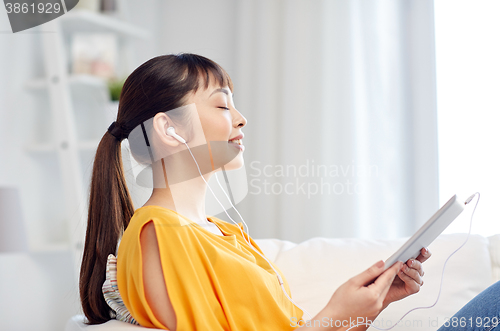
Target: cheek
(217, 128)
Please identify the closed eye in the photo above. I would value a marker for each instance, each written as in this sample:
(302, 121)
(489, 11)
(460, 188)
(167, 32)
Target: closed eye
(223, 108)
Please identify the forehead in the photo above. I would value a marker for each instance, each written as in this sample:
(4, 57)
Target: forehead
(224, 90)
(214, 83)
(205, 93)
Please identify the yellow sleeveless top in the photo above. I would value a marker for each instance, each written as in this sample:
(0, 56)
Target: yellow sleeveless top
(214, 282)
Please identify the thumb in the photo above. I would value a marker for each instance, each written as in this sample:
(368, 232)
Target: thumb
(369, 274)
(384, 282)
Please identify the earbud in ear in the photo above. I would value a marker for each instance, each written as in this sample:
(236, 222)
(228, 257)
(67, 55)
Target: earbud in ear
(171, 132)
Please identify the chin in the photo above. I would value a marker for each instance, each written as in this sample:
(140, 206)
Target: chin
(235, 163)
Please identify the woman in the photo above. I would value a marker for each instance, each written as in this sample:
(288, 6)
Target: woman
(178, 269)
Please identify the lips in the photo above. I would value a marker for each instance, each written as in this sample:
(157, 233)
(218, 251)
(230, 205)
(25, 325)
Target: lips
(237, 137)
(237, 140)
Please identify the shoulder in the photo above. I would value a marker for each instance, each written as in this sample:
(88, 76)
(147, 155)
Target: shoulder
(159, 215)
(167, 226)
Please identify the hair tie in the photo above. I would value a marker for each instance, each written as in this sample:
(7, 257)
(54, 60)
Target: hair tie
(116, 130)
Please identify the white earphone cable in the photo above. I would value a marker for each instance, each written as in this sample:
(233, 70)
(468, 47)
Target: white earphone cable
(248, 234)
(247, 240)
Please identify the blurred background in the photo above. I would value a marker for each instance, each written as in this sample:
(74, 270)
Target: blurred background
(364, 117)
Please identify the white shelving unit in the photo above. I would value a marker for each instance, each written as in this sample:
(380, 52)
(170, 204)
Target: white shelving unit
(63, 139)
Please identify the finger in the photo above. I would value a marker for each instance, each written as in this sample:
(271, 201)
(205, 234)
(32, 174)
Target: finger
(417, 265)
(369, 274)
(412, 273)
(410, 282)
(383, 283)
(425, 254)
(390, 278)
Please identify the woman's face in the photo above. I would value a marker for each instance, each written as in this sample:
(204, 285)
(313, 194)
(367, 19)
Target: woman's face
(221, 122)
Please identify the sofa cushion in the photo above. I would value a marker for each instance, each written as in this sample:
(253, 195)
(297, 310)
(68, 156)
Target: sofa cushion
(317, 267)
(76, 323)
(495, 256)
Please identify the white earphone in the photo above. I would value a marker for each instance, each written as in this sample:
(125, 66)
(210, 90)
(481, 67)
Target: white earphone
(171, 132)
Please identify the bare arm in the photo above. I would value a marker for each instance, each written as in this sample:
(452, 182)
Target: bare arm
(154, 282)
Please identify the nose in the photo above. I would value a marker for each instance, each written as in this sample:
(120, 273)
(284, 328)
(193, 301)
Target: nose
(239, 120)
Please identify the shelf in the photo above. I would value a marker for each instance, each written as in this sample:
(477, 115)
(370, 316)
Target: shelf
(73, 80)
(85, 145)
(88, 21)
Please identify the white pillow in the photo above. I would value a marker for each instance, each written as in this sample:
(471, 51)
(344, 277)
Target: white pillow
(112, 295)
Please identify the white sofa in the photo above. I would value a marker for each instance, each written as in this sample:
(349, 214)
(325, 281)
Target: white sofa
(316, 267)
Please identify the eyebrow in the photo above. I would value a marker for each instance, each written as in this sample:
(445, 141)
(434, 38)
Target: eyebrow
(223, 90)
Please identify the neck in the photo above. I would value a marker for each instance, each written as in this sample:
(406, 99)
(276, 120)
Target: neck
(183, 190)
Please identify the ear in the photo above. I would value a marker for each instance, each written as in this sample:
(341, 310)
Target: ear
(160, 124)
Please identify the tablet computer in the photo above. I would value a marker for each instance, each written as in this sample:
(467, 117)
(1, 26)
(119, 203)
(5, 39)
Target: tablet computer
(428, 232)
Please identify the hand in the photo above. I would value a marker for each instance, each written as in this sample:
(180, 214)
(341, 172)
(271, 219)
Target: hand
(364, 294)
(409, 278)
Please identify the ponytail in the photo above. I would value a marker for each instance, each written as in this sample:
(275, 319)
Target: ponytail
(110, 210)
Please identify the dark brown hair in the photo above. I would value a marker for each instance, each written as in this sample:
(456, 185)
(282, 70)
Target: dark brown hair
(158, 85)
